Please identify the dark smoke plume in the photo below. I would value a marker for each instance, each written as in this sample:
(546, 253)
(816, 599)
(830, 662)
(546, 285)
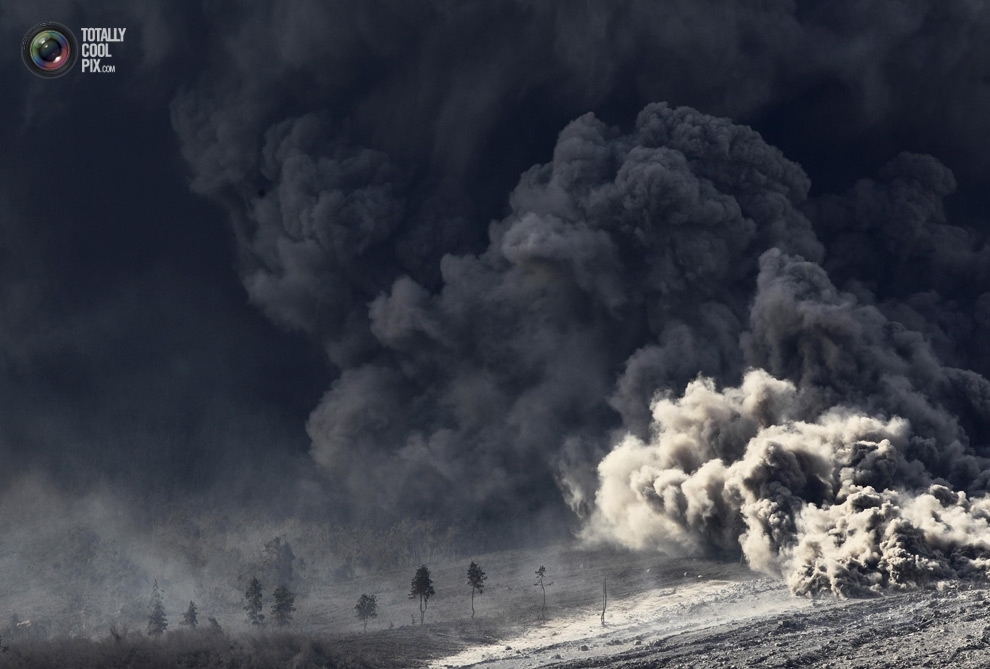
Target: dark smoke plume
(498, 383)
(781, 375)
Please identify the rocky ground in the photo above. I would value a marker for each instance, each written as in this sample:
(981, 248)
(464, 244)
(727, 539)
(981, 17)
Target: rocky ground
(754, 622)
(931, 629)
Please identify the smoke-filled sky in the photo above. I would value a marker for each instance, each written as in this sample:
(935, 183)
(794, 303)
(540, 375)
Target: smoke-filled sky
(711, 276)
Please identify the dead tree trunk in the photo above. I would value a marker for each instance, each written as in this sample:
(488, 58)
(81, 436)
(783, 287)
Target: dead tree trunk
(604, 599)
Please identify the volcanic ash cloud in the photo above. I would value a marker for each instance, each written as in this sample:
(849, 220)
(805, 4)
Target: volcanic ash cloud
(819, 502)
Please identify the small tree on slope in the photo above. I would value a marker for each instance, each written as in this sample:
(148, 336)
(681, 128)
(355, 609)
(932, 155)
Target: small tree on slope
(422, 587)
(367, 607)
(253, 606)
(157, 621)
(190, 617)
(283, 607)
(476, 579)
(541, 574)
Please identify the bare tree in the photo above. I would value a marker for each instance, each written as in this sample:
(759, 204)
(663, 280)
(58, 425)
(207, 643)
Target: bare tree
(422, 587)
(541, 574)
(604, 599)
(367, 607)
(476, 579)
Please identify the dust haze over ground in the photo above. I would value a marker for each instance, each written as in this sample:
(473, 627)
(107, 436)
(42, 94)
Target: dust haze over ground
(389, 281)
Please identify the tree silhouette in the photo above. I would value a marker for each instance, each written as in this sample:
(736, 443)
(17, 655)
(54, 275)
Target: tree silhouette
(422, 587)
(253, 606)
(476, 579)
(604, 599)
(541, 574)
(157, 621)
(367, 607)
(283, 607)
(190, 617)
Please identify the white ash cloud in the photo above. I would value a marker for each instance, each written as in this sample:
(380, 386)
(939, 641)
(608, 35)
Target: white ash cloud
(820, 502)
(850, 478)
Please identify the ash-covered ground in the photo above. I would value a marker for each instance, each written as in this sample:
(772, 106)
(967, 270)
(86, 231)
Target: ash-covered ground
(942, 628)
(723, 617)
(661, 612)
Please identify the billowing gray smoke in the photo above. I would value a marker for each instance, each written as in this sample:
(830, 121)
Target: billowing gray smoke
(780, 376)
(846, 458)
(629, 265)
(817, 480)
(505, 371)
(512, 373)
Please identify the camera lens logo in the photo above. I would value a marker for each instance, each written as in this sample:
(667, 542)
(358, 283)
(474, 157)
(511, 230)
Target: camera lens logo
(49, 49)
